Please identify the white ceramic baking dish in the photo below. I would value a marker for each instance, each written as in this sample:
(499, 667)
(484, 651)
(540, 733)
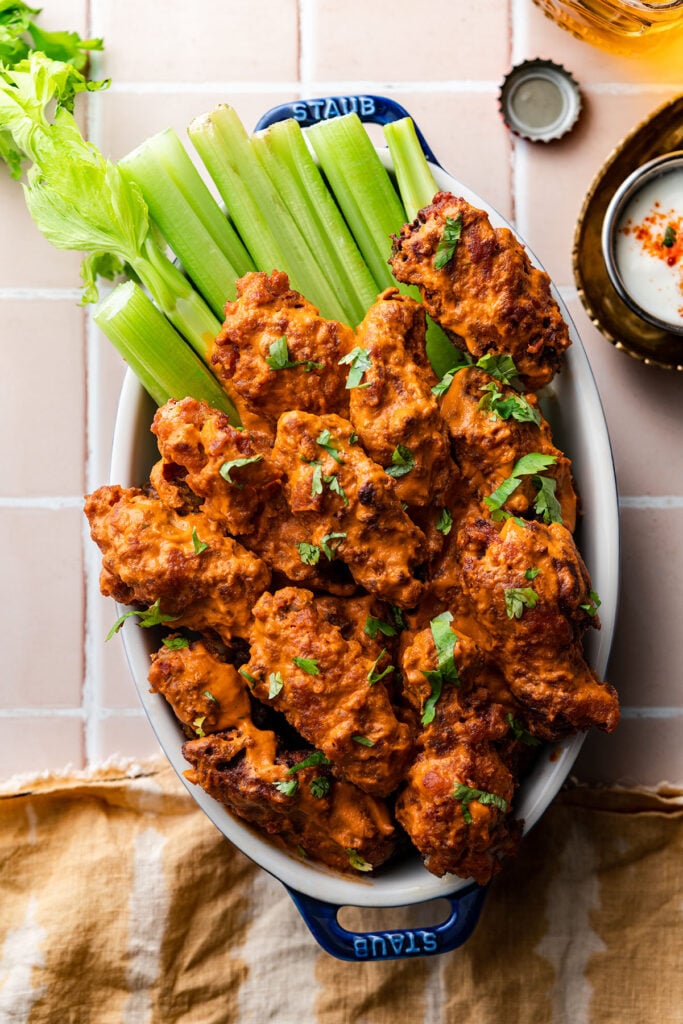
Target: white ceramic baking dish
(573, 407)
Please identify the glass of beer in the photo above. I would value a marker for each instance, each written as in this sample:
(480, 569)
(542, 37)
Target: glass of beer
(627, 26)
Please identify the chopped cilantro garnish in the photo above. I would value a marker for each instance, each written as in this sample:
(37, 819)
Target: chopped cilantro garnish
(287, 787)
(531, 574)
(463, 360)
(465, 794)
(309, 665)
(402, 461)
(227, 468)
(359, 360)
(502, 367)
(324, 439)
(332, 482)
(398, 617)
(448, 241)
(210, 696)
(363, 741)
(446, 672)
(669, 236)
(374, 626)
(278, 358)
(275, 684)
(308, 553)
(592, 606)
(326, 544)
(373, 675)
(198, 544)
(316, 479)
(520, 733)
(198, 723)
(546, 504)
(513, 407)
(519, 598)
(445, 522)
(152, 616)
(250, 679)
(319, 786)
(358, 862)
(533, 462)
(316, 758)
(175, 643)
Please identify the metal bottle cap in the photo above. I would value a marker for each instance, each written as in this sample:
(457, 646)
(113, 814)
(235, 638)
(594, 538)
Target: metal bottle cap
(539, 100)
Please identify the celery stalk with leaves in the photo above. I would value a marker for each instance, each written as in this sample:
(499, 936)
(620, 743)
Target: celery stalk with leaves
(79, 200)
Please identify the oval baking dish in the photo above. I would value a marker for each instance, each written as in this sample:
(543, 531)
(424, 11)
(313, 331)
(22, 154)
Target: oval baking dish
(572, 405)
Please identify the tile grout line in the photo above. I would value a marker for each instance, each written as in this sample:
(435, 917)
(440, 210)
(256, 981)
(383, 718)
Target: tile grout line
(328, 86)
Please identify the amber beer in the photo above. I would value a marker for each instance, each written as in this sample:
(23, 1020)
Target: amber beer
(627, 26)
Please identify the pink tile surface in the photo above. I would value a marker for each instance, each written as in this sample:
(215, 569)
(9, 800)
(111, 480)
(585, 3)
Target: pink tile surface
(59, 413)
(51, 457)
(41, 607)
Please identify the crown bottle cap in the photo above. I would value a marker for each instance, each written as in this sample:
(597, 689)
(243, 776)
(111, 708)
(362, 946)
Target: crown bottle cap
(539, 100)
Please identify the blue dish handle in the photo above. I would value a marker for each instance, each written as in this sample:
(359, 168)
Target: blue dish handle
(401, 944)
(373, 109)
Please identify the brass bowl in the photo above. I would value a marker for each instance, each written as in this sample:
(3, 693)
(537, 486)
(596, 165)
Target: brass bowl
(661, 132)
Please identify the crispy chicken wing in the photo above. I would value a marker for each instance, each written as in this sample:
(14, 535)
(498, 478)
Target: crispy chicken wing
(487, 293)
(225, 469)
(527, 590)
(394, 410)
(356, 507)
(455, 805)
(275, 352)
(328, 688)
(200, 577)
(486, 445)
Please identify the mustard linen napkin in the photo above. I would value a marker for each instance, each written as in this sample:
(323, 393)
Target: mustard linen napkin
(120, 902)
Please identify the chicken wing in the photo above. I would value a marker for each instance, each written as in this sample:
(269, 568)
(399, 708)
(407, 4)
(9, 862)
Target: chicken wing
(200, 578)
(487, 445)
(357, 510)
(328, 689)
(275, 352)
(527, 591)
(394, 411)
(479, 284)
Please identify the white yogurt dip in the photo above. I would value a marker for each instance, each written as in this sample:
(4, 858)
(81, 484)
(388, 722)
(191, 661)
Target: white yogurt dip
(649, 247)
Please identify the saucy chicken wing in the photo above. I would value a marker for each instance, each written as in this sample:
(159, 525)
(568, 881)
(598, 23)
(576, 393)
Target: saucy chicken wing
(394, 411)
(328, 688)
(275, 352)
(200, 578)
(354, 500)
(479, 284)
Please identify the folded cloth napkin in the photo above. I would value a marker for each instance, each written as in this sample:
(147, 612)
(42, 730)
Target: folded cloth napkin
(120, 902)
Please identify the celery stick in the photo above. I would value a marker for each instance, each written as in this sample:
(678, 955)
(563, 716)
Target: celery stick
(164, 364)
(188, 216)
(282, 150)
(415, 180)
(256, 208)
(362, 187)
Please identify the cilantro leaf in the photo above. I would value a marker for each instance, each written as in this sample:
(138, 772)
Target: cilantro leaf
(324, 439)
(446, 672)
(275, 684)
(175, 643)
(316, 480)
(363, 741)
(210, 696)
(463, 360)
(448, 241)
(308, 553)
(531, 574)
(669, 236)
(517, 599)
(444, 523)
(592, 606)
(320, 786)
(466, 794)
(399, 618)
(308, 665)
(359, 360)
(227, 468)
(332, 482)
(278, 358)
(532, 462)
(373, 675)
(513, 407)
(152, 616)
(250, 679)
(316, 758)
(326, 545)
(198, 544)
(287, 787)
(546, 504)
(197, 724)
(502, 367)
(520, 733)
(374, 626)
(402, 461)
(358, 862)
